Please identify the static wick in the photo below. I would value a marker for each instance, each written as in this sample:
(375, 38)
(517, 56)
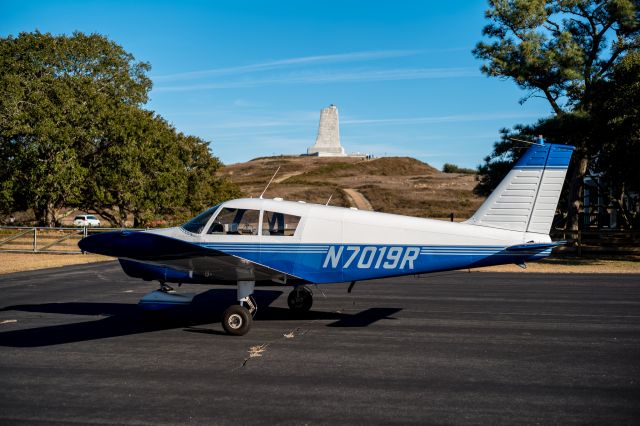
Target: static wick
(272, 177)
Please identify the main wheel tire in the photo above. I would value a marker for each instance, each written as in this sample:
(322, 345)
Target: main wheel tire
(300, 299)
(236, 320)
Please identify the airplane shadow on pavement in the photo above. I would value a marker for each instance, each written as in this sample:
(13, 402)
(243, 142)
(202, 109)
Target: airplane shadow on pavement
(122, 319)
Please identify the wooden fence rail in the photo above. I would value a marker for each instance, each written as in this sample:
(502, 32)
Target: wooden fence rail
(19, 239)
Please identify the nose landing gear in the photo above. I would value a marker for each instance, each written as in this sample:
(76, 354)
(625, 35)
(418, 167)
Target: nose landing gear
(237, 319)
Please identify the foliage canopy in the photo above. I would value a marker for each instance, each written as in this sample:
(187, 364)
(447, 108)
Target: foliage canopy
(73, 133)
(579, 55)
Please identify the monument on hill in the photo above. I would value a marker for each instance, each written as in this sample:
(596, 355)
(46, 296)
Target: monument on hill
(328, 139)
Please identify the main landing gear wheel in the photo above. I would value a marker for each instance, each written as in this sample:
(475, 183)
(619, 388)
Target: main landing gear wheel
(236, 320)
(300, 299)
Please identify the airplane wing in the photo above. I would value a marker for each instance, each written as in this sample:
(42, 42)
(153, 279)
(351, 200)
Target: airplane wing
(193, 259)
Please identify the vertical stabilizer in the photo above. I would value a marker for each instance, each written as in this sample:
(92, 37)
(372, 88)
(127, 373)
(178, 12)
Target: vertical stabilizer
(527, 197)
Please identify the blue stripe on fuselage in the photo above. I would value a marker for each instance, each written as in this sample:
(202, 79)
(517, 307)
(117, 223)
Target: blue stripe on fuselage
(326, 263)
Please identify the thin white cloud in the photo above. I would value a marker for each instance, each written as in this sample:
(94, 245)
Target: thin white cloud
(285, 119)
(438, 119)
(310, 119)
(245, 103)
(332, 77)
(234, 136)
(258, 123)
(283, 63)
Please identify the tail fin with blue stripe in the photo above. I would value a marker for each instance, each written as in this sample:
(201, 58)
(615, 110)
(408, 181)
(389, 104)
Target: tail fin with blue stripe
(527, 197)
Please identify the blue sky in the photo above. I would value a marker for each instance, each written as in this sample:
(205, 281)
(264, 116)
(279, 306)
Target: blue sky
(251, 77)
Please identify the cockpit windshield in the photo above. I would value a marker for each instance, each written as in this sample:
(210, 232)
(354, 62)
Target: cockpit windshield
(197, 224)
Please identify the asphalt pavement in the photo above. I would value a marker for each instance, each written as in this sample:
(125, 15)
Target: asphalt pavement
(457, 348)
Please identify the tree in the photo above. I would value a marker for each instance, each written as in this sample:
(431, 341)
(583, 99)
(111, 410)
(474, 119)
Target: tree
(567, 128)
(149, 171)
(203, 187)
(73, 133)
(618, 112)
(453, 168)
(57, 93)
(119, 181)
(563, 51)
(615, 121)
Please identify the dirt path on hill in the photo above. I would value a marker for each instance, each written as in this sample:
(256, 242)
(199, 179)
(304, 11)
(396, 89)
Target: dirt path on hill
(286, 176)
(358, 199)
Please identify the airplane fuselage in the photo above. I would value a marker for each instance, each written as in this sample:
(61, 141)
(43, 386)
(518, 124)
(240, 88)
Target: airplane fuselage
(255, 240)
(334, 244)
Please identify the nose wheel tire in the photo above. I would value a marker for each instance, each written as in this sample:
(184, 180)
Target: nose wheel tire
(236, 320)
(300, 299)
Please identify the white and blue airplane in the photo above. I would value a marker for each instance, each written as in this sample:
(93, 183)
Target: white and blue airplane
(252, 241)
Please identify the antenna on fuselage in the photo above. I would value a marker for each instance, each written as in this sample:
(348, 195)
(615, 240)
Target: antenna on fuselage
(539, 140)
(272, 177)
(329, 200)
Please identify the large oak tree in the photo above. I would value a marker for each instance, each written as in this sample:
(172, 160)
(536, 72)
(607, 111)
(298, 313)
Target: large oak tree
(73, 133)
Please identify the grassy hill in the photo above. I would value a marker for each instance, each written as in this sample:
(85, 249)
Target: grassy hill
(399, 185)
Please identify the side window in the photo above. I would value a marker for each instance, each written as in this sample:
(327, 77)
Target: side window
(274, 223)
(235, 222)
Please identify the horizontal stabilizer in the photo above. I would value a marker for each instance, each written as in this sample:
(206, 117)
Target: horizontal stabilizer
(535, 246)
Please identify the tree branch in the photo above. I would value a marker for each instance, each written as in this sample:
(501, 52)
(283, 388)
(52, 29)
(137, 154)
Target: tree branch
(554, 25)
(616, 53)
(552, 101)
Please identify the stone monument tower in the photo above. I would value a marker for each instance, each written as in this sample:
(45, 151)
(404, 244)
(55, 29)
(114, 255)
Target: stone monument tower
(328, 139)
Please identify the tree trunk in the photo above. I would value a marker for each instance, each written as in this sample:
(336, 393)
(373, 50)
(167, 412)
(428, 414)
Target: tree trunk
(113, 220)
(622, 208)
(122, 213)
(60, 214)
(576, 188)
(41, 215)
(137, 223)
(50, 215)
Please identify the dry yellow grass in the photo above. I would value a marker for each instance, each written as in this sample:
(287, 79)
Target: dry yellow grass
(573, 266)
(398, 185)
(16, 262)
